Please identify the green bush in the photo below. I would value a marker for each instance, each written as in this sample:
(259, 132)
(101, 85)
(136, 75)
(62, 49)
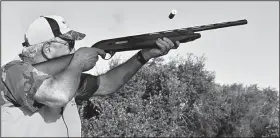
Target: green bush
(181, 98)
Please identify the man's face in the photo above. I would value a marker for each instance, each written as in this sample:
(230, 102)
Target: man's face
(57, 48)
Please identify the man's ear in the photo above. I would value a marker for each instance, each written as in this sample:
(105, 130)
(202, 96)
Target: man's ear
(48, 51)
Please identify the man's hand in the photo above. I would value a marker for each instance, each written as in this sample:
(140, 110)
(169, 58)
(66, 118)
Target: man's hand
(164, 45)
(85, 58)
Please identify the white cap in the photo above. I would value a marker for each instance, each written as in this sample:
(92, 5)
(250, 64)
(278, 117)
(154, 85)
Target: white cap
(45, 28)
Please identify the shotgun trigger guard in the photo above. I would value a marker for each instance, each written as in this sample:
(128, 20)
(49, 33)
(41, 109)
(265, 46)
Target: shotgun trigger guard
(111, 55)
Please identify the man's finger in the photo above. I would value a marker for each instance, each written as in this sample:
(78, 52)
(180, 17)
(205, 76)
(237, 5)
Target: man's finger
(161, 47)
(169, 42)
(164, 43)
(177, 44)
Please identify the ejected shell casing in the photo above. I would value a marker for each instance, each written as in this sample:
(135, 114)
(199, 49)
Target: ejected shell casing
(172, 14)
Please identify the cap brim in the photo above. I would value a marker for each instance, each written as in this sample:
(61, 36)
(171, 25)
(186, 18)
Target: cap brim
(73, 35)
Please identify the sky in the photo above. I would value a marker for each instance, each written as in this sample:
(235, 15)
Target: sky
(247, 54)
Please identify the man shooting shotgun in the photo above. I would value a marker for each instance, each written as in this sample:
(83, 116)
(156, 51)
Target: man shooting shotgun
(38, 91)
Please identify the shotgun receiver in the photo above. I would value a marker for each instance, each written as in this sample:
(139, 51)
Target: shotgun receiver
(136, 42)
(148, 40)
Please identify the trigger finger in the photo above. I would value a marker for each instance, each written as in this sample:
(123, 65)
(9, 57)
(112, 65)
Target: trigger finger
(102, 53)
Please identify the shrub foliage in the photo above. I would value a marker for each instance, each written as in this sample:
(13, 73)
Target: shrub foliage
(181, 98)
